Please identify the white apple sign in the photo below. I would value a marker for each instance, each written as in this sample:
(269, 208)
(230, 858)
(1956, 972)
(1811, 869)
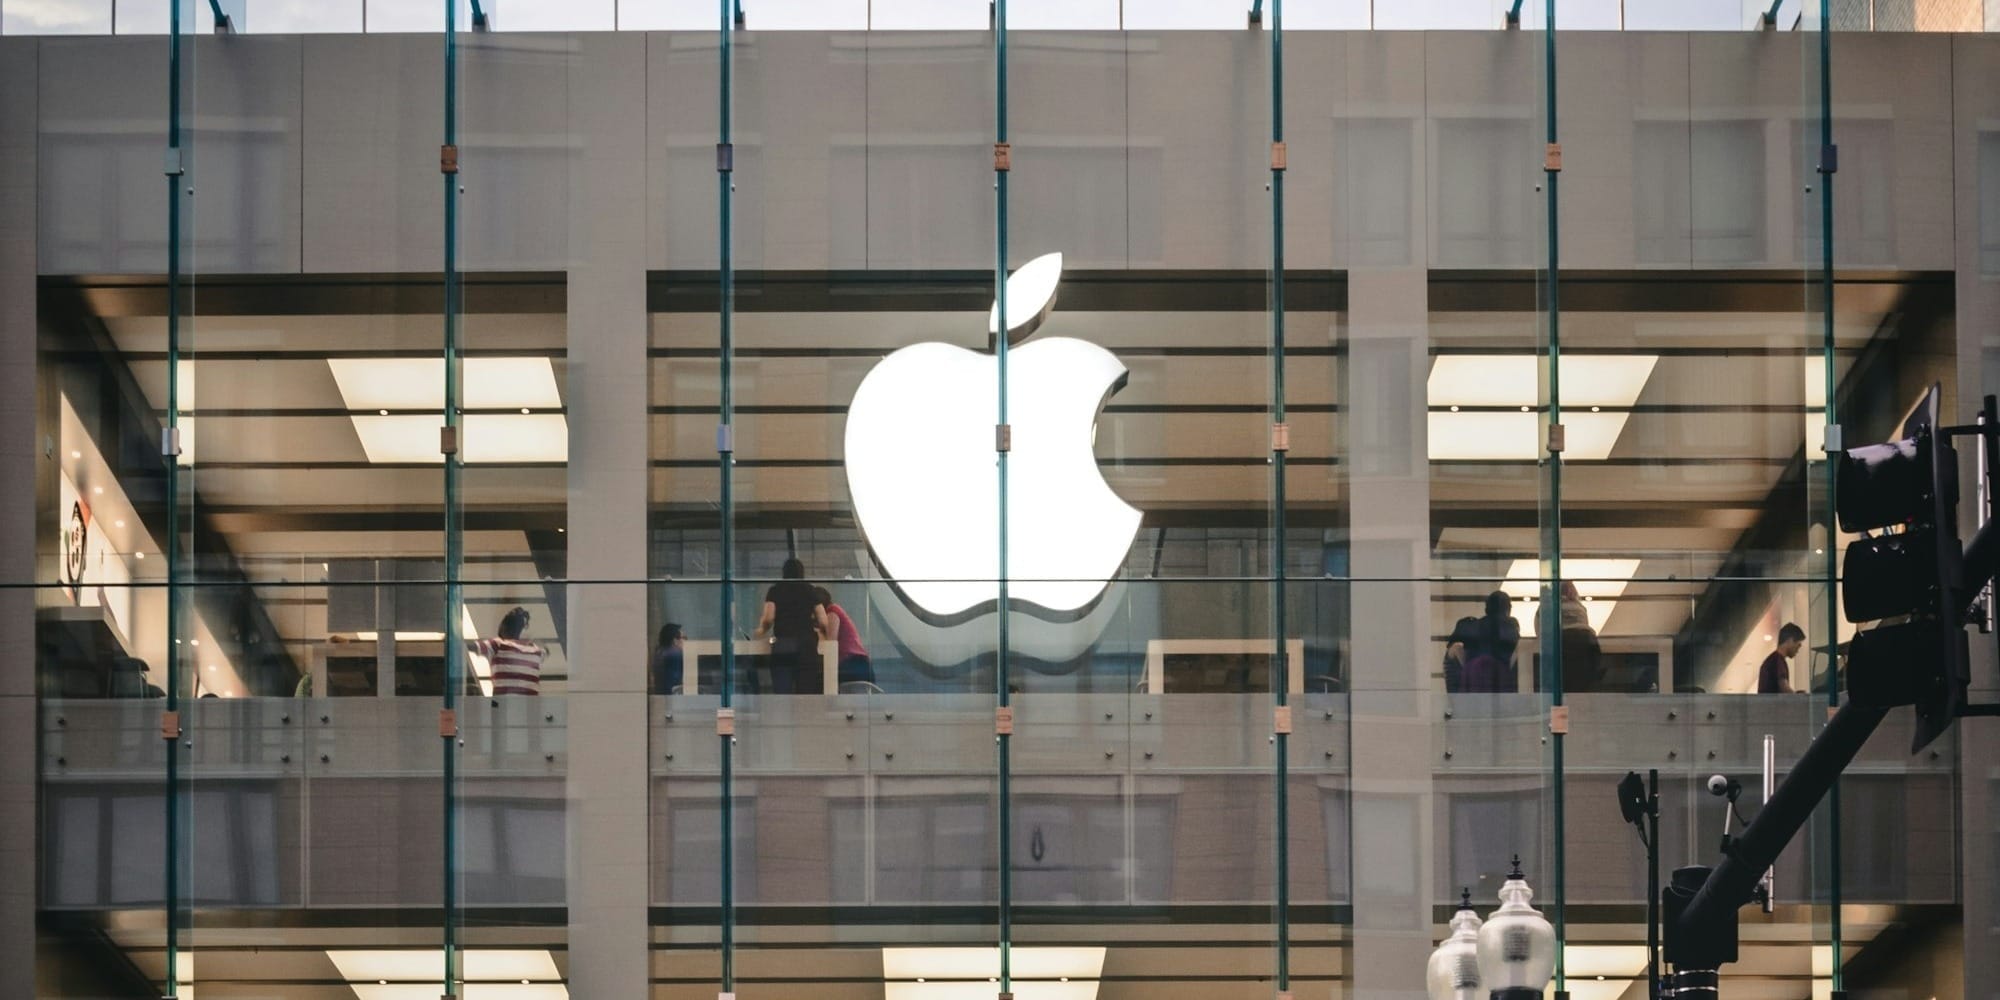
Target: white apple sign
(924, 477)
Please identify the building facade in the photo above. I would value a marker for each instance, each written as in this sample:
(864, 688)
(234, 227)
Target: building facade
(1399, 437)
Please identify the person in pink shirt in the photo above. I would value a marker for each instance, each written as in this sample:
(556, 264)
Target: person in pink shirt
(854, 663)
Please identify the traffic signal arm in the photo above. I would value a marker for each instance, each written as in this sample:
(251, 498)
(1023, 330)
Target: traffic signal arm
(1704, 937)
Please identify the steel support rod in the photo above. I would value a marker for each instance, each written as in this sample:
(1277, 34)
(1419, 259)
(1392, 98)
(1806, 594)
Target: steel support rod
(1551, 607)
(1003, 738)
(1831, 565)
(176, 623)
(725, 447)
(1282, 676)
(454, 533)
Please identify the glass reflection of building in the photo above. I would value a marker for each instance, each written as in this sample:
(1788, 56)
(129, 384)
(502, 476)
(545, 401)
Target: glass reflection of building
(1246, 759)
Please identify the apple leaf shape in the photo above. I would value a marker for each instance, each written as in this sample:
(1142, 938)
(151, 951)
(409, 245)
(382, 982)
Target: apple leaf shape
(925, 483)
(1031, 296)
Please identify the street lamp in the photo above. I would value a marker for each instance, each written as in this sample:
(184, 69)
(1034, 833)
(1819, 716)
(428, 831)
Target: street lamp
(1517, 947)
(1454, 967)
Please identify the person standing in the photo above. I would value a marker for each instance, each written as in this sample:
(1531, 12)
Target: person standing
(516, 661)
(854, 665)
(794, 620)
(1582, 655)
(669, 660)
(1775, 675)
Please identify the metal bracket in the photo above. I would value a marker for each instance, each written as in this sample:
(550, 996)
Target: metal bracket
(170, 725)
(1281, 437)
(741, 22)
(448, 158)
(1003, 720)
(1832, 444)
(1281, 720)
(1277, 156)
(480, 20)
(725, 722)
(175, 161)
(1552, 158)
(1557, 438)
(448, 723)
(725, 157)
(725, 439)
(447, 440)
(1256, 12)
(224, 23)
(170, 442)
(1829, 159)
(1514, 15)
(1559, 720)
(1003, 157)
(1003, 437)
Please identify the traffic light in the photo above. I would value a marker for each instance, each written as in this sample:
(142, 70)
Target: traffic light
(1909, 570)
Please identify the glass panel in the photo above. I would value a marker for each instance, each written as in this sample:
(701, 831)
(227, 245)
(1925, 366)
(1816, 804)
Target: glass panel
(55, 17)
(928, 15)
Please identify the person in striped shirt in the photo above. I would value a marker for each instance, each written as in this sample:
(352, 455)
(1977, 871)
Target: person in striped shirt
(516, 662)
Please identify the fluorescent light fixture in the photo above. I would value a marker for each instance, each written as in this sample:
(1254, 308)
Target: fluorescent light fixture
(1513, 380)
(422, 966)
(418, 383)
(1581, 988)
(469, 991)
(402, 636)
(1599, 581)
(984, 963)
(1622, 961)
(373, 387)
(412, 438)
(1516, 437)
(982, 990)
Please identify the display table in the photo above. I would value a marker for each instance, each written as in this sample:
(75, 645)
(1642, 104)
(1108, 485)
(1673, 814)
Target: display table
(695, 649)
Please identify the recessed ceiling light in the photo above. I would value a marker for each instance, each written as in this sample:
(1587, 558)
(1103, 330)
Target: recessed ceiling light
(76, 454)
(1596, 409)
(119, 523)
(97, 489)
(138, 555)
(524, 409)
(383, 412)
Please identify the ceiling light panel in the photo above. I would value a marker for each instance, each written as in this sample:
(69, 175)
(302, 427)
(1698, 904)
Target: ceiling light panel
(984, 963)
(1487, 436)
(418, 383)
(489, 438)
(419, 965)
(468, 991)
(1515, 379)
(1598, 581)
(1086, 990)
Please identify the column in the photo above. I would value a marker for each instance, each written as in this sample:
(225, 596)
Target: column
(1392, 705)
(18, 759)
(608, 454)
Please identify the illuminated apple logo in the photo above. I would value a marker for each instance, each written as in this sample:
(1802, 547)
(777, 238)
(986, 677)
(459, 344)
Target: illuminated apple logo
(925, 480)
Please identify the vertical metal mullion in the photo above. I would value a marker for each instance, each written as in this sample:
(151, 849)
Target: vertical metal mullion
(1003, 737)
(1282, 677)
(1832, 559)
(725, 461)
(454, 538)
(175, 807)
(1551, 607)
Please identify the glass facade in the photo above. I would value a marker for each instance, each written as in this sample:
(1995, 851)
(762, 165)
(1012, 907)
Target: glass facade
(887, 500)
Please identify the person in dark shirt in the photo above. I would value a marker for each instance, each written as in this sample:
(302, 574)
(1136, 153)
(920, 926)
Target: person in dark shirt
(794, 619)
(1488, 648)
(1775, 676)
(668, 660)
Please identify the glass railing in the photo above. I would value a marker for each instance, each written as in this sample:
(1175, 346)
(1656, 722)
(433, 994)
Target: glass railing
(1141, 774)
